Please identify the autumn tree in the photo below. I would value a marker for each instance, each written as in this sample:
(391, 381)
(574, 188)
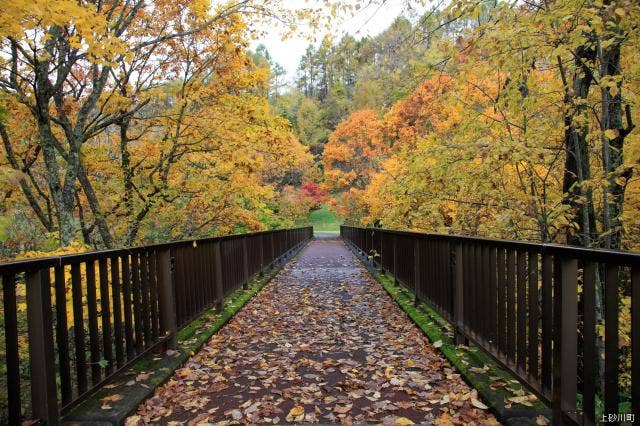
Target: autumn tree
(85, 71)
(354, 152)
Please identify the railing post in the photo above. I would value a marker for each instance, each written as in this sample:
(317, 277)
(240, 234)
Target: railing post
(273, 251)
(261, 273)
(458, 292)
(217, 265)
(245, 264)
(565, 342)
(366, 243)
(395, 260)
(44, 401)
(166, 296)
(416, 270)
(635, 340)
(381, 253)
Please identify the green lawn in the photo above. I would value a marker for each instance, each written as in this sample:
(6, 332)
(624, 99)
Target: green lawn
(324, 220)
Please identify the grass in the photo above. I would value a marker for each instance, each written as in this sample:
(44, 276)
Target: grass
(325, 221)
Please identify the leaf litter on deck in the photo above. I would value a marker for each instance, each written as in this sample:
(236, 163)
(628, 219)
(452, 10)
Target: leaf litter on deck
(321, 343)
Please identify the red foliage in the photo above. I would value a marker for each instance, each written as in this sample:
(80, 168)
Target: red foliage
(314, 192)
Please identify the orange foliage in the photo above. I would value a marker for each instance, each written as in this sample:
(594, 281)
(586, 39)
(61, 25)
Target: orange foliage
(423, 111)
(354, 150)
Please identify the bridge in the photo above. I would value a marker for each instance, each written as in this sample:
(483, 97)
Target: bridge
(279, 327)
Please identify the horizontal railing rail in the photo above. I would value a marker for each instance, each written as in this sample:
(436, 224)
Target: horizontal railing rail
(72, 322)
(535, 308)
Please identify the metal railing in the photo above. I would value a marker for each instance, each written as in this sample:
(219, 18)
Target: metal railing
(533, 307)
(72, 322)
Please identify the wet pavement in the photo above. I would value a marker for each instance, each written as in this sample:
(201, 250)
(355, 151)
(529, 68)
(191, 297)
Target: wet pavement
(321, 343)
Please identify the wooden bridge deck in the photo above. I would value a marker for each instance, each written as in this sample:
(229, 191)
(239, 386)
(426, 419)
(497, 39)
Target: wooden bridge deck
(323, 342)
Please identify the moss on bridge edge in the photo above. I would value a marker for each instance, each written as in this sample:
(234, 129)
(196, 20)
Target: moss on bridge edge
(465, 359)
(122, 395)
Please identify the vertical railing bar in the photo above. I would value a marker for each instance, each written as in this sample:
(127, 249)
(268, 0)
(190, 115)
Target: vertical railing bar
(487, 306)
(179, 284)
(590, 372)
(12, 356)
(153, 293)
(62, 335)
(217, 259)
(547, 323)
(470, 284)
(568, 342)
(635, 341)
(107, 342)
(611, 339)
(78, 329)
(194, 275)
(44, 400)
(502, 300)
(117, 311)
(557, 358)
(245, 264)
(166, 296)
(521, 305)
(94, 332)
(534, 315)
(395, 260)
(459, 293)
(511, 302)
(416, 271)
(136, 293)
(493, 282)
(144, 298)
(127, 301)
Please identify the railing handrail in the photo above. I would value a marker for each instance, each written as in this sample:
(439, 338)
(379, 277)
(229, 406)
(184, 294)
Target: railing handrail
(619, 257)
(23, 265)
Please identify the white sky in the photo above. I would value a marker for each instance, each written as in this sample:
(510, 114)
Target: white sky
(368, 21)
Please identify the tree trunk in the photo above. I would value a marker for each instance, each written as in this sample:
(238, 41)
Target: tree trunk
(577, 167)
(614, 134)
(62, 194)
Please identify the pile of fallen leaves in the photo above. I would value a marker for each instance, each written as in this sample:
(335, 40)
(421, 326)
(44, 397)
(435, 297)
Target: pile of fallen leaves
(321, 343)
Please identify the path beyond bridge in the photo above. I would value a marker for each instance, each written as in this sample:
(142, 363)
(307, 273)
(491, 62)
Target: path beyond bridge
(322, 342)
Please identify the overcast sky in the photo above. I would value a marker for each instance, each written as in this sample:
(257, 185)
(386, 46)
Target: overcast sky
(368, 21)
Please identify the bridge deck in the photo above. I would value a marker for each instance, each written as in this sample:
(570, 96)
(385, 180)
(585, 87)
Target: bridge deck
(321, 343)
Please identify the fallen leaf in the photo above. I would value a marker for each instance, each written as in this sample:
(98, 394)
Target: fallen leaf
(342, 409)
(112, 398)
(132, 421)
(296, 414)
(236, 414)
(542, 420)
(478, 404)
(523, 400)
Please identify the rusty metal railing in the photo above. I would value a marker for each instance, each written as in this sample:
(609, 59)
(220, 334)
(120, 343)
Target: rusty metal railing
(533, 307)
(72, 322)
